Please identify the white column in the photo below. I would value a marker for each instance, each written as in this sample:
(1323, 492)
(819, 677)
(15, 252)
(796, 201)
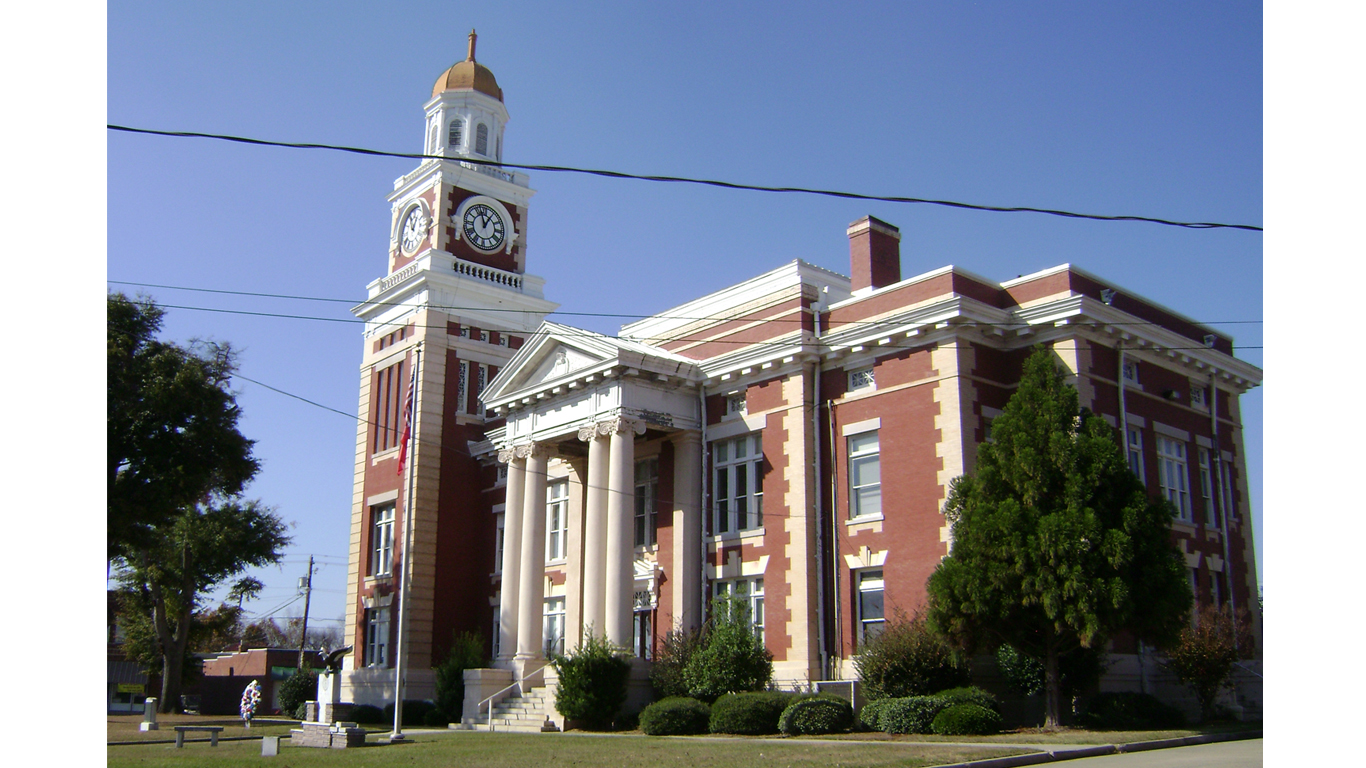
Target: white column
(512, 554)
(687, 531)
(531, 587)
(595, 533)
(621, 494)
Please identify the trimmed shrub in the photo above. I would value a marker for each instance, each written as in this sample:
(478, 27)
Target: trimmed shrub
(970, 695)
(912, 714)
(592, 683)
(731, 659)
(296, 689)
(436, 718)
(466, 652)
(1127, 711)
(369, 715)
(816, 715)
(869, 716)
(414, 712)
(753, 714)
(666, 674)
(966, 720)
(675, 716)
(907, 659)
(301, 713)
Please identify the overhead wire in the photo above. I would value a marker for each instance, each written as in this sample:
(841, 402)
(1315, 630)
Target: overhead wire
(687, 180)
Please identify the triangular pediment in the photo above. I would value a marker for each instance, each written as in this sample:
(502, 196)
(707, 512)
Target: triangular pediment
(558, 361)
(554, 352)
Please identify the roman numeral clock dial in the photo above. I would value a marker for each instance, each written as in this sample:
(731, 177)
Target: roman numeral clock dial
(483, 227)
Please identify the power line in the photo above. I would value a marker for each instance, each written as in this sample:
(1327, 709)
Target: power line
(620, 315)
(687, 180)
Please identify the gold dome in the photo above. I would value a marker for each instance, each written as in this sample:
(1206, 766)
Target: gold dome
(468, 75)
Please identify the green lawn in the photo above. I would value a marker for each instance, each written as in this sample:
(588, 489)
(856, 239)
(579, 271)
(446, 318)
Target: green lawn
(514, 750)
(506, 750)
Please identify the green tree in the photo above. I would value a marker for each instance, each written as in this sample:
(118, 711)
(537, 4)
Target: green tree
(203, 546)
(908, 659)
(1056, 544)
(1204, 655)
(466, 652)
(172, 426)
(732, 658)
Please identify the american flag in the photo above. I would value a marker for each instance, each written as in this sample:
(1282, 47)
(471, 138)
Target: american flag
(407, 421)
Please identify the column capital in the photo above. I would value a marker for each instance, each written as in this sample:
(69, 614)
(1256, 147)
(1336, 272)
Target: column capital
(533, 450)
(622, 425)
(506, 455)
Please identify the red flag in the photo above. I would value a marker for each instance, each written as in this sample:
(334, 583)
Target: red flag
(407, 421)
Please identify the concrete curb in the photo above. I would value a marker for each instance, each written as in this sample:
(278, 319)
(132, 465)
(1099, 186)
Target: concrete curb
(1103, 749)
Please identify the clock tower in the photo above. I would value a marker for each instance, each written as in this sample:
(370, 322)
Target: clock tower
(453, 306)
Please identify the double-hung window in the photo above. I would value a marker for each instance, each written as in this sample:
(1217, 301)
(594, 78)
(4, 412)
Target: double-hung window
(746, 596)
(453, 138)
(556, 520)
(481, 139)
(738, 483)
(554, 625)
(381, 540)
(1212, 517)
(871, 617)
(1135, 450)
(1171, 475)
(647, 492)
(376, 637)
(865, 475)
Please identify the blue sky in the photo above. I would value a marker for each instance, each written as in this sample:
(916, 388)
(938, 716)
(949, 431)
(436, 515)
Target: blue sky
(1150, 109)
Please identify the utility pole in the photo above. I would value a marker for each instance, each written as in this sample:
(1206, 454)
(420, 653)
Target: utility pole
(308, 594)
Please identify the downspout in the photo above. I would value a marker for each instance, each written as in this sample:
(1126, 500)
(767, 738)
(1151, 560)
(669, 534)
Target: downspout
(1219, 491)
(1124, 446)
(816, 486)
(706, 508)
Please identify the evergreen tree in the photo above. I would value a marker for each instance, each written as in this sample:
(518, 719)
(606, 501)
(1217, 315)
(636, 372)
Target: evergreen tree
(1056, 544)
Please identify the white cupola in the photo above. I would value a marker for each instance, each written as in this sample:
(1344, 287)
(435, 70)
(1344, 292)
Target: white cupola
(465, 117)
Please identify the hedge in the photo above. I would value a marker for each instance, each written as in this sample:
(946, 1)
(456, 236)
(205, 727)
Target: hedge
(816, 715)
(1128, 711)
(752, 714)
(966, 720)
(912, 714)
(869, 716)
(675, 716)
(971, 695)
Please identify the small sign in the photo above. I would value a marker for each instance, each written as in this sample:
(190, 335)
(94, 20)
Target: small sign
(132, 688)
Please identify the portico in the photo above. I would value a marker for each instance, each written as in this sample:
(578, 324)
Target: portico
(600, 415)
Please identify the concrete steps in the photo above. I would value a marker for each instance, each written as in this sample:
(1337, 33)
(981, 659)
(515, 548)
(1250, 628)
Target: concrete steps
(520, 714)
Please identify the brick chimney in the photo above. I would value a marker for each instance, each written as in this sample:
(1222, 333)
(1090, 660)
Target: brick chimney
(874, 254)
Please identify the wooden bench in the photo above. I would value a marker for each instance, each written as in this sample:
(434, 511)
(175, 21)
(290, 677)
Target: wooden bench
(213, 730)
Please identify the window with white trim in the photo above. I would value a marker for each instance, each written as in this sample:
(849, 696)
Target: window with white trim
(871, 616)
(862, 379)
(736, 404)
(1131, 371)
(454, 137)
(1171, 475)
(481, 139)
(1227, 486)
(376, 637)
(1136, 453)
(556, 519)
(647, 493)
(1212, 516)
(1198, 397)
(748, 597)
(738, 483)
(381, 540)
(462, 404)
(499, 531)
(865, 475)
(554, 625)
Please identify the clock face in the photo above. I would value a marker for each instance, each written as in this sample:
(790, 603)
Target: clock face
(483, 227)
(414, 230)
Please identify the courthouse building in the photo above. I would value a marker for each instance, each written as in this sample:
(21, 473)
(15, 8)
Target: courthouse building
(789, 439)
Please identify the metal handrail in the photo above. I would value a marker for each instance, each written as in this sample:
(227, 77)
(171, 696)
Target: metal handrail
(1248, 669)
(517, 685)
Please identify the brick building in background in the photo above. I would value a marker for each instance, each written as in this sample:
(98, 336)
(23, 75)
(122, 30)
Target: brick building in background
(789, 439)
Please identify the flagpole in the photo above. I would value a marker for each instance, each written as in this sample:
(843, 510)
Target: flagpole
(401, 652)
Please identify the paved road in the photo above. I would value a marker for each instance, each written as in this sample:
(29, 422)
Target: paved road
(1228, 754)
